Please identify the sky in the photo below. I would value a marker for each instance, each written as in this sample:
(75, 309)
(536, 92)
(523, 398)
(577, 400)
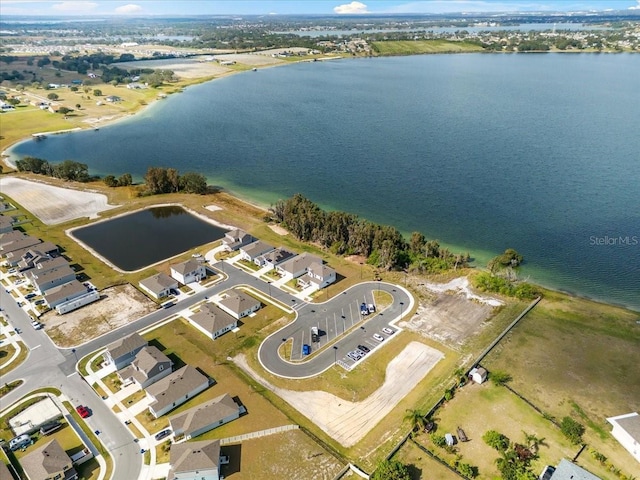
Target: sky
(285, 7)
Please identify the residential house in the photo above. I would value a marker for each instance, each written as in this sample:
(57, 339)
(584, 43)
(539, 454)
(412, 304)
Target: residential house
(19, 242)
(567, 470)
(43, 281)
(195, 460)
(239, 304)
(149, 366)
(252, 251)
(49, 462)
(30, 258)
(65, 292)
(478, 374)
(6, 224)
(175, 389)
(213, 321)
(206, 416)
(189, 271)
(113, 99)
(159, 285)
(274, 257)
(235, 239)
(46, 248)
(626, 429)
(46, 263)
(318, 275)
(297, 266)
(124, 351)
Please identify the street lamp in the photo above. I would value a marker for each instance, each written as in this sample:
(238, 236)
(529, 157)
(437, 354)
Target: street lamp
(335, 354)
(269, 283)
(401, 305)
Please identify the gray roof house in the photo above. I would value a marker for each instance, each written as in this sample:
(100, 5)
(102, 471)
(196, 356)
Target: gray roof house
(252, 251)
(567, 470)
(239, 304)
(189, 271)
(234, 239)
(206, 416)
(30, 258)
(318, 275)
(274, 257)
(149, 366)
(47, 248)
(297, 266)
(23, 242)
(195, 460)
(12, 236)
(6, 224)
(173, 390)
(49, 462)
(626, 429)
(44, 264)
(158, 285)
(63, 293)
(122, 352)
(43, 281)
(213, 321)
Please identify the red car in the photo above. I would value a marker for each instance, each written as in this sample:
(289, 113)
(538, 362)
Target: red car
(83, 411)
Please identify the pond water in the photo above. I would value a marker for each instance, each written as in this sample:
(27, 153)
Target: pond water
(143, 238)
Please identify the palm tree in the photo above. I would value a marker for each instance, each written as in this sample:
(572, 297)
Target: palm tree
(416, 418)
(533, 442)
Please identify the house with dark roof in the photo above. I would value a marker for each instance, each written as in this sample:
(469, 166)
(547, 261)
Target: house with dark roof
(175, 389)
(206, 416)
(195, 460)
(149, 366)
(274, 257)
(297, 266)
(65, 292)
(252, 251)
(234, 239)
(318, 276)
(43, 281)
(213, 321)
(626, 430)
(159, 285)
(124, 351)
(30, 258)
(49, 462)
(189, 271)
(238, 303)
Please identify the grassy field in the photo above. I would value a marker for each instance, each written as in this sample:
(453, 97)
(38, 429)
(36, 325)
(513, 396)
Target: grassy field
(421, 465)
(417, 47)
(10, 350)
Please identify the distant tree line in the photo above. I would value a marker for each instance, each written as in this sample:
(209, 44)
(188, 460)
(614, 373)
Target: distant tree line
(123, 180)
(347, 234)
(66, 170)
(168, 180)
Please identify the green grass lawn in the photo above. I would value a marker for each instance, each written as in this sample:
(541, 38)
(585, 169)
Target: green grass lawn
(416, 47)
(421, 465)
(10, 349)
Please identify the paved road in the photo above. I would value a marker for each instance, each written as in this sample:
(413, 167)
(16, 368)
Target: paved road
(48, 365)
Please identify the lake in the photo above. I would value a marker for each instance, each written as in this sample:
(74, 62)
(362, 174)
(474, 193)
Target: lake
(538, 152)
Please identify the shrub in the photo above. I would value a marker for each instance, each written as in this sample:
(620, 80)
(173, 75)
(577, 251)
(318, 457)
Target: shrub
(572, 430)
(496, 440)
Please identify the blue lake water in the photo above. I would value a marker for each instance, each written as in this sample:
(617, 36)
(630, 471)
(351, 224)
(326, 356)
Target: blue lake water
(538, 152)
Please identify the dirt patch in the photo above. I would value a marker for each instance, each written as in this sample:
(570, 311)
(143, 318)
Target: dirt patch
(51, 204)
(117, 306)
(348, 422)
(450, 313)
(279, 230)
(182, 67)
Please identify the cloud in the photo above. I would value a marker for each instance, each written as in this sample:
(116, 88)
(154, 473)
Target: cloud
(74, 7)
(637, 7)
(128, 9)
(353, 7)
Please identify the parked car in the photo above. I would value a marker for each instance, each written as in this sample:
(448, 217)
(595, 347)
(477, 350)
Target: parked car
(315, 337)
(388, 331)
(49, 428)
(29, 296)
(19, 442)
(378, 337)
(306, 349)
(164, 433)
(364, 348)
(37, 325)
(83, 411)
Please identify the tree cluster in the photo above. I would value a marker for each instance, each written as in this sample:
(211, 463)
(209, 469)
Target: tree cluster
(572, 430)
(168, 180)
(391, 470)
(487, 282)
(515, 459)
(347, 234)
(66, 170)
(122, 181)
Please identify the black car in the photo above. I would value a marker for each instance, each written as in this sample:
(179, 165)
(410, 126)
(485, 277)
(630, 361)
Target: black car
(162, 434)
(364, 349)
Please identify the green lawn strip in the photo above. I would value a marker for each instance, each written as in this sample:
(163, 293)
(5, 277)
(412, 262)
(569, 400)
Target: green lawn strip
(147, 457)
(421, 465)
(134, 397)
(22, 355)
(162, 452)
(113, 382)
(99, 390)
(7, 387)
(415, 47)
(154, 425)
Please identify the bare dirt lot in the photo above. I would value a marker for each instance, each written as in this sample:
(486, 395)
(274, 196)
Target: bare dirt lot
(348, 422)
(452, 315)
(182, 67)
(53, 205)
(117, 307)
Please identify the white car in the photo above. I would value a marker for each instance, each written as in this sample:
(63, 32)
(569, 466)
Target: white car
(37, 325)
(388, 331)
(378, 337)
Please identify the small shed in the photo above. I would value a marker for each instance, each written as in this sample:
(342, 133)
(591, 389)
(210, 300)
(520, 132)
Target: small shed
(449, 439)
(461, 435)
(478, 374)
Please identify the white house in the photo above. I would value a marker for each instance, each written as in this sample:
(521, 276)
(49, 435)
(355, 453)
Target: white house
(206, 416)
(149, 366)
(195, 460)
(239, 304)
(297, 266)
(478, 374)
(318, 275)
(626, 429)
(274, 257)
(159, 285)
(213, 321)
(174, 390)
(252, 251)
(189, 271)
(122, 352)
(234, 239)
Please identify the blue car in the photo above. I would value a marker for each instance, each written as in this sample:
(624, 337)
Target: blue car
(306, 349)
